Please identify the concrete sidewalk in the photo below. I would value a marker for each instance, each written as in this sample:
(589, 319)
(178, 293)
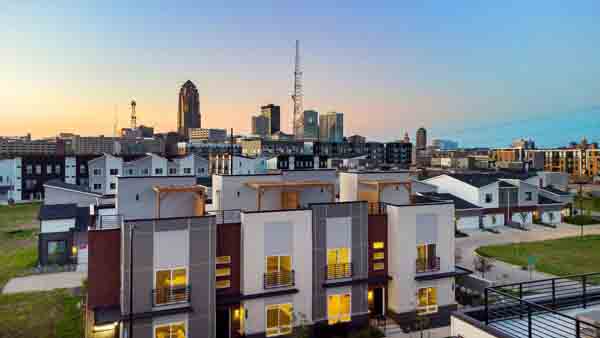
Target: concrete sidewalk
(45, 282)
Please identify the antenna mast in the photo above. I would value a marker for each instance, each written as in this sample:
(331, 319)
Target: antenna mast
(133, 118)
(298, 120)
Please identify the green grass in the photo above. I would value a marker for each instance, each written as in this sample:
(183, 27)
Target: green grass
(20, 214)
(49, 314)
(560, 257)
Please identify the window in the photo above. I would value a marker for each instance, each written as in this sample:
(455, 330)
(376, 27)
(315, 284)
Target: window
(113, 186)
(145, 172)
(49, 169)
(38, 169)
(82, 169)
(175, 330)
(528, 196)
(187, 171)
(200, 170)
(223, 259)
(30, 184)
(131, 172)
(493, 219)
(488, 198)
(378, 255)
(278, 271)
(158, 171)
(427, 259)
(222, 272)
(172, 171)
(97, 172)
(29, 169)
(97, 186)
(57, 169)
(338, 263)
(223, 284)
(171, 286)
(338, 308)
(426, 301)
(56, 251)
(114, 172)
(137, 197)
(378, 245)
(378, 266)
(279, 319)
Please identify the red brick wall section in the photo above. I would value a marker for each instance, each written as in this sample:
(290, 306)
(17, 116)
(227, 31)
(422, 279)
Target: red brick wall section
(104, 264)
(377, 233)
(229, 244)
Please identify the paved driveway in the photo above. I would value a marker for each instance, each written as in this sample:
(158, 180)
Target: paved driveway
(506, 273)
(45, 282)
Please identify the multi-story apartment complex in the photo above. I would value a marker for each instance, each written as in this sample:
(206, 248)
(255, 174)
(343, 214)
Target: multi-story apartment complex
(26, 146)
(208, 134)
(399, 153)
(267, 147)
(275, 246)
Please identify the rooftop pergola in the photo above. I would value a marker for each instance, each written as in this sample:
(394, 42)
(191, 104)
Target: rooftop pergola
(261, 187)
(163, 190)
(380, 185)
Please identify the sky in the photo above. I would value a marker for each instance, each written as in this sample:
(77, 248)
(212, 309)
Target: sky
(476, 71)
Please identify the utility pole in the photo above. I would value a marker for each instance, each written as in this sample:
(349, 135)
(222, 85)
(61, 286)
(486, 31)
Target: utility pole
(231, 152)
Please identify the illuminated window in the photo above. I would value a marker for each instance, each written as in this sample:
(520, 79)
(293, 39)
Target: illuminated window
(378, 266)
(223, 284)
(378, 255)
(223, 259)
(338, 263)
(378, 245)
(278, 271)
(221, 272)
(338, 308)
(174, 330)
(171, 286)
(426, 301)
(279, 319)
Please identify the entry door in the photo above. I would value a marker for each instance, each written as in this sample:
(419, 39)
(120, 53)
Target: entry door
(290, 200)
(378, 302)
(223, 330)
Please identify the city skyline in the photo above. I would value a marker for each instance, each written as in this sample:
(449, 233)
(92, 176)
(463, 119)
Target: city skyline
(427, 69)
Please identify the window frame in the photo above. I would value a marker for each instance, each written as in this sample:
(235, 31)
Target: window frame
(428, 308)
(341, 317)
(171, 275)
(281, 329)
(97, 172)
(156, 326)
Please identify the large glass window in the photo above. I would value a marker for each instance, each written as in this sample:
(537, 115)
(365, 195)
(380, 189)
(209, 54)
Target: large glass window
(279, 319)
(174, 330)
(278, 271)
(427, 301)
(338, 263)
(171, 286)
(426, 257)
(56, 251)
(338, 308)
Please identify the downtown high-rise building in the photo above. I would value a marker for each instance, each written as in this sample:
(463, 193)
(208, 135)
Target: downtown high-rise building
(331, 127)
(188, 115)
(260, 125)
(273, 113)
(421, 139)
(311, 125)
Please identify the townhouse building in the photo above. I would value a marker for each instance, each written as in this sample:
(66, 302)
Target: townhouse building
(492, 199)
(271, 248)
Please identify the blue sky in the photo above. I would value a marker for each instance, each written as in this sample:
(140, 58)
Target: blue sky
(389, 66)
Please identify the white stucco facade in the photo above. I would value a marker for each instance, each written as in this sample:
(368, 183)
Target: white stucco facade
(57, 225)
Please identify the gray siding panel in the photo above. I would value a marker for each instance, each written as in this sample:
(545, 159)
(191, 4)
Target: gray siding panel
(203, 239)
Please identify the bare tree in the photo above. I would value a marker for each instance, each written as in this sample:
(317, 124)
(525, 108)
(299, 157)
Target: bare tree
(482, 264)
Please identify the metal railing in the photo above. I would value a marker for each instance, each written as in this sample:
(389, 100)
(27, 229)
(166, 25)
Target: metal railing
(428, 265)
(337, 271)
(531, 309)
(377, 208)
(227, 216)
(171, 295)
(278, 279)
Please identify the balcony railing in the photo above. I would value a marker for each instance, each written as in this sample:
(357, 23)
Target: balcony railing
(170, 296)
(428, 265)
(226, 216)
(278, 279)
(337, 271)
(377, 208)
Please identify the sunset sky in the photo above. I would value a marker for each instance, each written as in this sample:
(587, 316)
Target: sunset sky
(461, 69)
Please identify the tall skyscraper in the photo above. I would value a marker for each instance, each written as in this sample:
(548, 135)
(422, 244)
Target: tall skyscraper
(331, 127)
(421, 139)
(273, 113)
(298, 97)
(311, 125)
(189, 109)
(260, 125)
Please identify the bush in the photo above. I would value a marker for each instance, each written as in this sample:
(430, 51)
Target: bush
(580, 220)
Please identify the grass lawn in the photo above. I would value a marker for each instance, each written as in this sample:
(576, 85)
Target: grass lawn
(52, 314)
(18, 215)
(565, 256)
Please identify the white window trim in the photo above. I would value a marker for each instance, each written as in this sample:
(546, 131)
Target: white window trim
(184, 322)
(427, 309)
(279, 327)
(187, 279)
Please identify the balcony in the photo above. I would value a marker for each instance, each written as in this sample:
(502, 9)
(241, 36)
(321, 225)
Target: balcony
(278, 279)
(170, 296)
(337, 271)
(377, 208)
(428, 265)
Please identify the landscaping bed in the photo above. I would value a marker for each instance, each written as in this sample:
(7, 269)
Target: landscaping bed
(560, 257)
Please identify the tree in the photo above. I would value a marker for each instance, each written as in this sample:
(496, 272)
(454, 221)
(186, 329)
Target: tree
(301, 326)
(482, 264)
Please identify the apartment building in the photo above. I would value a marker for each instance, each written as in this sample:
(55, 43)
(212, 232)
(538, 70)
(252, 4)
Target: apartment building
(502, 199)
(106, 168)
(277, 246)
(10, 180)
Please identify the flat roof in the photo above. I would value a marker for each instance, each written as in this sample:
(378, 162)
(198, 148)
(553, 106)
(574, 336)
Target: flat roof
(288, 184)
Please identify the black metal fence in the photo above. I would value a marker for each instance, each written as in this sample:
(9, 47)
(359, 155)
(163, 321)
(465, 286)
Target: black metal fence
(170, 295)
(428, 265)
(278, 279)
(531, 309)
(337, 271)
